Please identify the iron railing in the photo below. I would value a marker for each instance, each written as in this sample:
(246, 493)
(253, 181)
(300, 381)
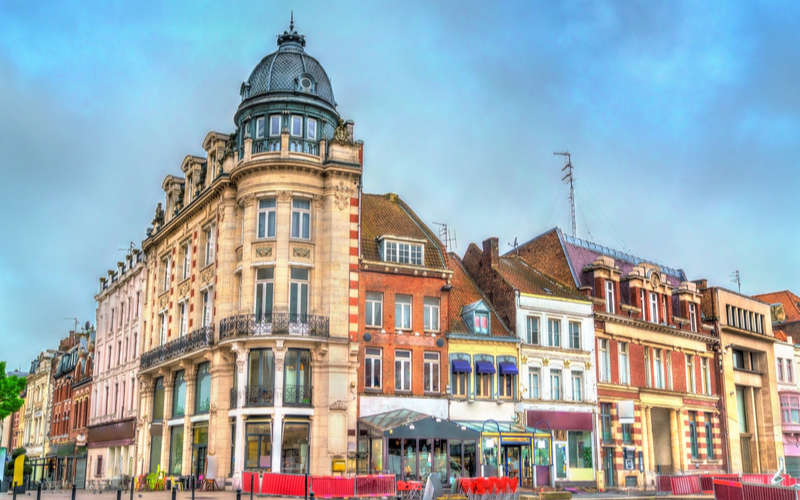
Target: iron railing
(254, 396)
(297, 395)
(274, 324)
(202, 337)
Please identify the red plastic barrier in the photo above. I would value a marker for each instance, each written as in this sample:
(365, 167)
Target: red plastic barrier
(757, 478)
(381, 485)
(762, 492)
(283, 485)
(686, 485)
(707, 481)
(727, 490)
(249, 478)
(788, 480)
(664, 484)
(333, 487)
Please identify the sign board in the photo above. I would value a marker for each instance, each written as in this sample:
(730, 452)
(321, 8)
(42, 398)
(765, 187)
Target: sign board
(2, 462)
(338, 465)
(19, 463)
(629, 456)
(625, 412)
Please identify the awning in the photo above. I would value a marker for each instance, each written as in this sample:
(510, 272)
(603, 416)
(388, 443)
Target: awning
(562, 420)
(460, 366)
(508, 369)
(411, 424)
(484, 367)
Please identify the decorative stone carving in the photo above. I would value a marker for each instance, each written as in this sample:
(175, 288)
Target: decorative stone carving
(279, 364)
(240, 366)
(546, 361)
(264, 251)
(246, 200)
(158, 220)
(338, 405)
(341, 195)
(340, 135)
(221, 212)
(207, 275)
(162, 301)
(183, 289)
(588, 365)
(238, 255)
(566, 363)
(302, 253)
(524, 360)
(284, 195)
(318, 201)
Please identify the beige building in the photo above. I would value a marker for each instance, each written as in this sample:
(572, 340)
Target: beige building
(112, 424)
(252, 280)
(35, 414)
(751, 409)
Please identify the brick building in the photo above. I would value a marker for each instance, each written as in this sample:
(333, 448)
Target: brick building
(657, 385)
(62, 444)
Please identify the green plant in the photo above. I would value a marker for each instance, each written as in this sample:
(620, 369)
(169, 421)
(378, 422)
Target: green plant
(156, 480)
(26, 467)
(587, 457)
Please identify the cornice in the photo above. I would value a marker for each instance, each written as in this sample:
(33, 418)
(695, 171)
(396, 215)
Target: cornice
(645, 325)
(396, 268)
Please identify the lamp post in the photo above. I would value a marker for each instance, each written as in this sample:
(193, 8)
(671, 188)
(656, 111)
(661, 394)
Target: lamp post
(483, 444)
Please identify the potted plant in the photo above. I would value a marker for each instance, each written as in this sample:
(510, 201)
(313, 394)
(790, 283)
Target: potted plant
(27, 469)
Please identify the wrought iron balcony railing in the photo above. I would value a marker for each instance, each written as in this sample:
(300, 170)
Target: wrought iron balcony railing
(297, 395)
(274, 324)
(254, 396)
(198, 339)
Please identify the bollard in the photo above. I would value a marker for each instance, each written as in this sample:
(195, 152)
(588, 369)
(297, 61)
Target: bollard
(252, 478)
(174, 491)
(192, 479)
(14, 491)
(132, 483)
(119, 494)
(305, 486)
(74, 491)
(239, 494)
(39, 491)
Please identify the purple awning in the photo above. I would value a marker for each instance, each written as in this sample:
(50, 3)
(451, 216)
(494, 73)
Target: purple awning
(460, 366)
(508, 369)
(484, 367)
(561, 420)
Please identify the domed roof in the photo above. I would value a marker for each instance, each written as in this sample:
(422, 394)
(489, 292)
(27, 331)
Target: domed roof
(289, 69)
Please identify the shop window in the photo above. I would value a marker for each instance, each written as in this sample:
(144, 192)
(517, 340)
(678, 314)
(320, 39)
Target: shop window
(179, 395)
(158, 400)
(202, 389)
(176, 450)
(580, 449)
(297, 377)
(294, 449)
(258, 446)
(260, 377)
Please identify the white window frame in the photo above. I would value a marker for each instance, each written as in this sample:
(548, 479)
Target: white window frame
(432, 372)
(163, 326)
(534, 382)
(431, 310)
(311, 128)
(576, 325)
(529, 322)
(183, 318)
(260, 122)
(371, 355)
(402, 367)
(210, 245)
(604, 361)
(789, 371)
(554, 332)
(268, 288)
(556, 384)
(167, 264)
(186, 248)
(780, 369)
(296, 126)
(706, 371)
(373, 312)
(577, 385)
(643, 300)
(206, 306)
(266, 218)
(653, 301)
(658, 365)
(648, 372)
(301, 219)
(624, 363)
(274, 128)
(403, 252)
(302, 288)
(403, 319)
(693, 317)
(610, 305)
(691, 380)
(668, 368)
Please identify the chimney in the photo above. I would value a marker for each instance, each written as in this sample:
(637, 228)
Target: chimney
(490, 249)
(702, 284)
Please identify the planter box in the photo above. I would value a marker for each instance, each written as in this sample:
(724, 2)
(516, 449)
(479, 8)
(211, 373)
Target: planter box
(555, 495)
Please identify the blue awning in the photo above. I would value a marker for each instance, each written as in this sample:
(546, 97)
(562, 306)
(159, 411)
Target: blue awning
(508, 369)
(484, 367)
(461, 366)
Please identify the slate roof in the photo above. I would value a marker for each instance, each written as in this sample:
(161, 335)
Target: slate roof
(790, 301)
(388, 215)
(526, 279)
(465, 292)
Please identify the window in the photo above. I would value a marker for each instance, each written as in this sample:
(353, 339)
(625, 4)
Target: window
(179, 395)
(301, 218)
(709, 436)
(165, 266)
(664, 309)
(648, 373)
(374, 309)
(158, 400)
(577, 386)
(274, 125)
(260, 376)
(258, 446)
(659, 368)
(604, 361)
(790, 409)
(642, 304)
(460, 377)
(183, 319)
(297, 126)
(187, 259)
(780, 370)
(431, 310)
(202, 389)
(554, 332)
(691, 383)
(176, 449)
(372, 368)
(574, 335)
(298, 295)
(610, 306)
(163, 327)
(207, 308)
(532, 330)
(266, 218)
(624, 364)
(555, 384)
(789, 371)
(260, 129)
(534, 382)
(668, 364)
(693, 317)
(431, 372)
(297, 377)
(706, 376)
(738, 359)
(264, 293)
(481, 323)
(507, 378)
(403, 253)
(627, 433)
(741, 409)
(693, 433)
(402, 312)
(605, 421)
(311, 128)
(653, 307)
(402, 370)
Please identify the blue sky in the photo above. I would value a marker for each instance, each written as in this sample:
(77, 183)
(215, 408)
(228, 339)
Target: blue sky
(683, 120)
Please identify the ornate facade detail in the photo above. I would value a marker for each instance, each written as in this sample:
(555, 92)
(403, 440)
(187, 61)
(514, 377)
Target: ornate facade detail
(207, 276)
(162, 301)
(341, 195)
(340, 135)
(264, 251)
(546, 361)
(238, 255)
(566, 363)
(183, 288)
(158, 220)
(302, 253)
(284, 196)
(246, 200)
(318, 201)
(240, 366)
(338, 405)
(279, 363)
(588, 365)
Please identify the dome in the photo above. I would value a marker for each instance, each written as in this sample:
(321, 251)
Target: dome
(289, 69)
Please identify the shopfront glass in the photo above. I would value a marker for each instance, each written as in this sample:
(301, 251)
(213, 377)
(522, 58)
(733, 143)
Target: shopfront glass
(377, 455)
(440, 458)
(199, 449)
(258, 451)
(297, 377)
(410, 459)
(425, 458)
(395, 458)
(155, 448)
(580, 456)
(294, 450)
(176, 449)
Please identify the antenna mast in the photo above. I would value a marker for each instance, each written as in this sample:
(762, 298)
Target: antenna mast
(569, 179)
(446, 237)
(736, 278)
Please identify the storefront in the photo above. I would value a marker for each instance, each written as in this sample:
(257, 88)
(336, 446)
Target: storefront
(573, 438)
(413, 445)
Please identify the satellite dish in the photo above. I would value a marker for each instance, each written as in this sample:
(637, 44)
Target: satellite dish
(87, 326)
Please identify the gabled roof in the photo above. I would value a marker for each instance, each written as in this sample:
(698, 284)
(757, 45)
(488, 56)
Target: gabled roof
(388, 216)
(465, 292)
(526, 279)
(790, 301)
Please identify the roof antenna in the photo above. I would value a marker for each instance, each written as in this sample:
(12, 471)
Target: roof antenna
(291, 22)
(514, 245)
(447, 237)
(568, 178)
(736, 278)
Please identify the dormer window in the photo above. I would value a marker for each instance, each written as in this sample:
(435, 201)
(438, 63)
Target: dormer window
(476, 316)
(693, 317)
(401, 252)
(653, 308)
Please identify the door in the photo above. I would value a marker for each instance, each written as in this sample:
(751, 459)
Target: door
(199, 453)
(608, 465)
(511, 461)
(747, 466)
(80, 473)
(561, 461)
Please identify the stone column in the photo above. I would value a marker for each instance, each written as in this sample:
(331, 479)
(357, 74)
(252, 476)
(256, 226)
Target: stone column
(277, 423)
(759, 464)
(190, 376)
(650, 452)
(241, 363)
(675, 439)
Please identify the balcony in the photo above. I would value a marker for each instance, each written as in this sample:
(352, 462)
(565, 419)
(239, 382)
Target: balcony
(297, 395)
(251, 325)
(202, 337)
(255, 396)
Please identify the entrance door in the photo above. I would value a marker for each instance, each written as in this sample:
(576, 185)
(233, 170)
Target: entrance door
(511, 461)
(747, 466)
(199, 453)
(608, 465)
(80, 473)
(561, 461)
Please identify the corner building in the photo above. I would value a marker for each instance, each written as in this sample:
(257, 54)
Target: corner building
(252, 287)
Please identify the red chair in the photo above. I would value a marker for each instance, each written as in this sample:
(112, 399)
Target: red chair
(402, 488)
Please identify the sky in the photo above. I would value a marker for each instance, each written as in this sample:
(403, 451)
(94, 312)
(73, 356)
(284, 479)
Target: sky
(682, 119)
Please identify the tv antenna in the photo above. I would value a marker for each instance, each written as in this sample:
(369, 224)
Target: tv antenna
(737, 278)
(569, 178)
(514, 245)
(447, 237)
(130, 248)
(74, 328)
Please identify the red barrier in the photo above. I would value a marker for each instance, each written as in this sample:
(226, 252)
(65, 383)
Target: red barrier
(284, 485)
(727, 490)
(757, 478)
(376, 486)
(664, 484)
(707, 481)
(762, 492)
(686, 485)
(788, 480)
(249, 478)
(333, 487)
